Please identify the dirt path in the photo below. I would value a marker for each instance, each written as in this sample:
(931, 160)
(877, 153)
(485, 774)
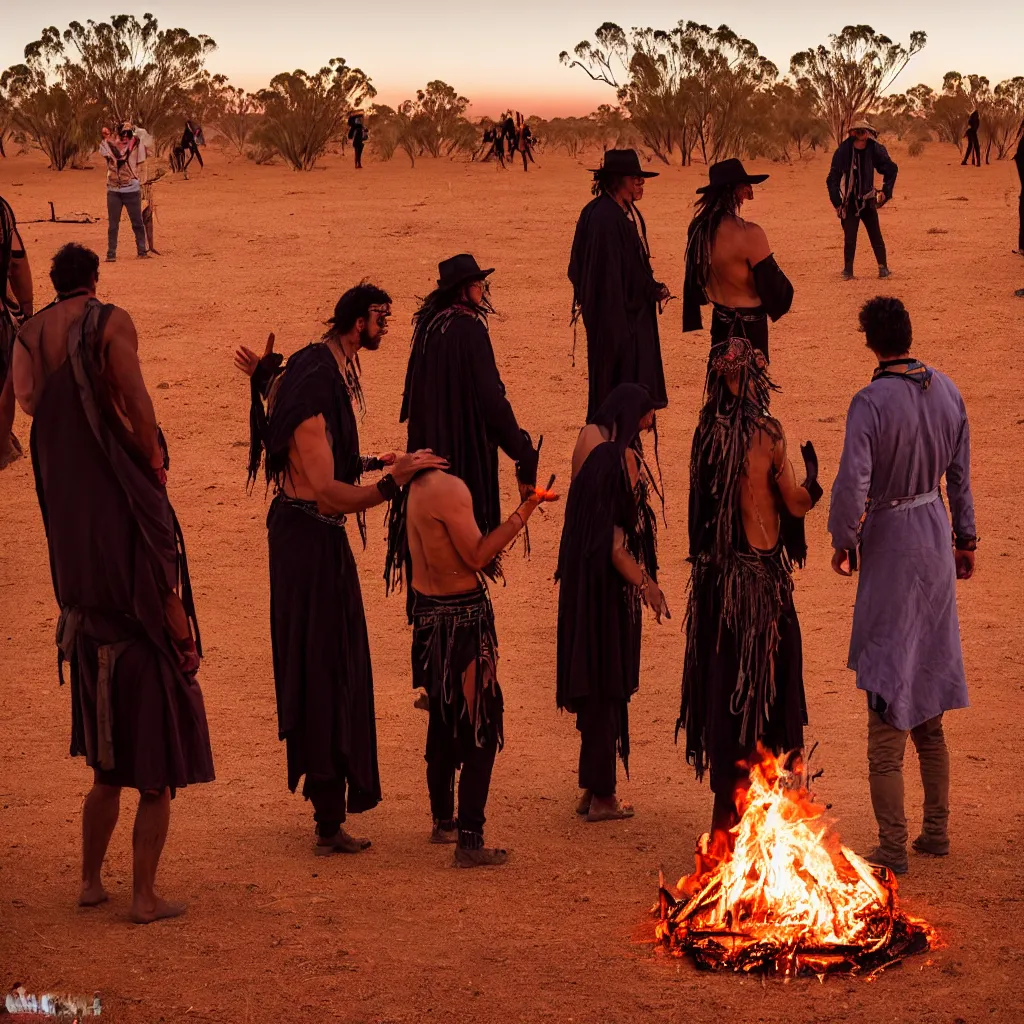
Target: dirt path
(560, 934)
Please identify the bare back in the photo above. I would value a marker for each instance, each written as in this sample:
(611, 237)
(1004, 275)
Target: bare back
(760, 502)
(439, 516)
(738, 246)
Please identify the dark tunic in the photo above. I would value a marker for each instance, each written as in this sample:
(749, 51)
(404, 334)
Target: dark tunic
(599, 615)
(322, 671)
(116, 551)
(851, 176)
(615, 292)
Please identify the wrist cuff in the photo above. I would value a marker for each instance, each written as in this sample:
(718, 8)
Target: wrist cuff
(388, 488)
(966, 543)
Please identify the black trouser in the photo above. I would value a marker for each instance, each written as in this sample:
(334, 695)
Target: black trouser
(851, 222)
(973, 149)
(599, 722)
(328, 800)
(1020, 207)
(359, 155)
(444, 755)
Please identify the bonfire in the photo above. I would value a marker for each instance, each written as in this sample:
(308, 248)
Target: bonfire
(784, 896)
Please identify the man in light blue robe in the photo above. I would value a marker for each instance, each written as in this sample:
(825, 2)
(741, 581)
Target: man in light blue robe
(905, 431)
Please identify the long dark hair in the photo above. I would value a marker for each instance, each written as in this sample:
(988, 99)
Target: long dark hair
(604, 182)
(440, 301)
(709, 211)
(8, 227)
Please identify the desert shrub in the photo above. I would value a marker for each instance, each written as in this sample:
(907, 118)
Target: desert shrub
(916, 147)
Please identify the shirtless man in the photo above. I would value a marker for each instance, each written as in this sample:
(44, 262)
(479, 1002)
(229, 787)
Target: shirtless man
(15, 308)
(455, 653)
(730, 263)
(119, 571)
(743, 675)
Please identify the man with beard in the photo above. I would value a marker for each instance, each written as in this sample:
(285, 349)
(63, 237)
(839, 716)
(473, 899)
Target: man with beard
(743, 670)
(322, 672)
(15, 308)
(905, 431)
(455, 404)
(607, 566)
(120, 575)
(730, 263)
(455, 653)
(614, 289)
(851, 189)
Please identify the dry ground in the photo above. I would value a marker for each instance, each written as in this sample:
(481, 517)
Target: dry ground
(560, 933)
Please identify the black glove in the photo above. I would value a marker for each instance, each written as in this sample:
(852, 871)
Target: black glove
(811, 471)
(526, 467)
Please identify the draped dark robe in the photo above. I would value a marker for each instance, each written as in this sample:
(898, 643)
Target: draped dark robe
(116, 552)
(322, 672)
(599, 613)
(615, 292)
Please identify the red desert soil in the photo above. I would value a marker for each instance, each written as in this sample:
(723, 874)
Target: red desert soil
(561, 933)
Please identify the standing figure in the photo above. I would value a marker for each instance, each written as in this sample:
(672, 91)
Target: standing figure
(743, 671)
(614, 289)
(971, 135)
(524, 140)
(455, 403)
(607, 567)
(730, 263)
(358, 133)
(123, 155)
(455, 653)
(322, 671)
(905, 431)
(1018, 159)
(15, 308)
(191, 139)
(851, 189)
(127, 624)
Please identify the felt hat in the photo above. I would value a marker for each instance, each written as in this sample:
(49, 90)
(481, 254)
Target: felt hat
(729, 173)
(458, 270)
(863, 125)
(623, 162)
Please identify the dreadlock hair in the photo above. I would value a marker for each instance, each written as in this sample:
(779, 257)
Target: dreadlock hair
(74, 266)
(709, 210)
(605, 183)
(356, 303)
(441, 300)
(7, 229)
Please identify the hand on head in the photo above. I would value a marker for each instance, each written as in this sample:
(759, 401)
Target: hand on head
(408, 464)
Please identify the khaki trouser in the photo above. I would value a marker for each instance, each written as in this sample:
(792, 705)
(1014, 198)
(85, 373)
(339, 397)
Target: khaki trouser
(886, 747)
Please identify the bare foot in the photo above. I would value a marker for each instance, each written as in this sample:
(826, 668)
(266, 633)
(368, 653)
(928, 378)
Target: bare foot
(92, 896)
(157, 910)
(610, 809)
(341, 843)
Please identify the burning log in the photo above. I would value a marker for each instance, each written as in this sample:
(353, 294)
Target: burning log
(787, 898)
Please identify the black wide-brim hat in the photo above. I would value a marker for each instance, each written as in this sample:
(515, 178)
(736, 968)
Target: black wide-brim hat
(458, 270)
(729, 173)
(623, 162)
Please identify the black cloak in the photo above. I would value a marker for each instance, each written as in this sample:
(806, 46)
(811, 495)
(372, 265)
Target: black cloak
(615, 292)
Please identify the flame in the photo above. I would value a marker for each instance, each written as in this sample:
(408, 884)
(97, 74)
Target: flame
(787, 897)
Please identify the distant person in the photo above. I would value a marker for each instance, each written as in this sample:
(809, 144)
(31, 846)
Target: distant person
(124, 152)
(455, 403)
(730, 263)
(905, 431)
(357, 133)
(851, 189)
(524, 141)
(743, 680)
(614, 289)
(607, 568)
(322, 671)
(15, 308)
(497, 145)
(455, 653)
(119, 569)
(973, 145)
(1018, 159)
(191, 139)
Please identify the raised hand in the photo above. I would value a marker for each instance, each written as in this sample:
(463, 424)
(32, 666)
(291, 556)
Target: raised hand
(247, 361)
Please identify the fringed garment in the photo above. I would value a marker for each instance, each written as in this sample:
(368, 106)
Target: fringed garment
(599, 613)
(452, 632)
(743, 670)
(322, 672)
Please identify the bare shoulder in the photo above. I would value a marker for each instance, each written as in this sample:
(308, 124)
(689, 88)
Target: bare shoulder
(756, 242)
(435, 492)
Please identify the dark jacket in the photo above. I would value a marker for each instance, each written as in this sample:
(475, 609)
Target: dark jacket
(874, 157)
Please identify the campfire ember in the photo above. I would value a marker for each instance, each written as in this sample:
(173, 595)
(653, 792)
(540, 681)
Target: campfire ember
(788, 898)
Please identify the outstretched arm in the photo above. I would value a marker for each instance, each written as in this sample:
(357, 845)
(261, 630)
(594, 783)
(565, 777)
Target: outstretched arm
(474, 548)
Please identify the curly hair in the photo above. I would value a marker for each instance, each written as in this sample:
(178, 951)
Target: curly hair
(356, 303)
(886, 323)
(73, 267)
